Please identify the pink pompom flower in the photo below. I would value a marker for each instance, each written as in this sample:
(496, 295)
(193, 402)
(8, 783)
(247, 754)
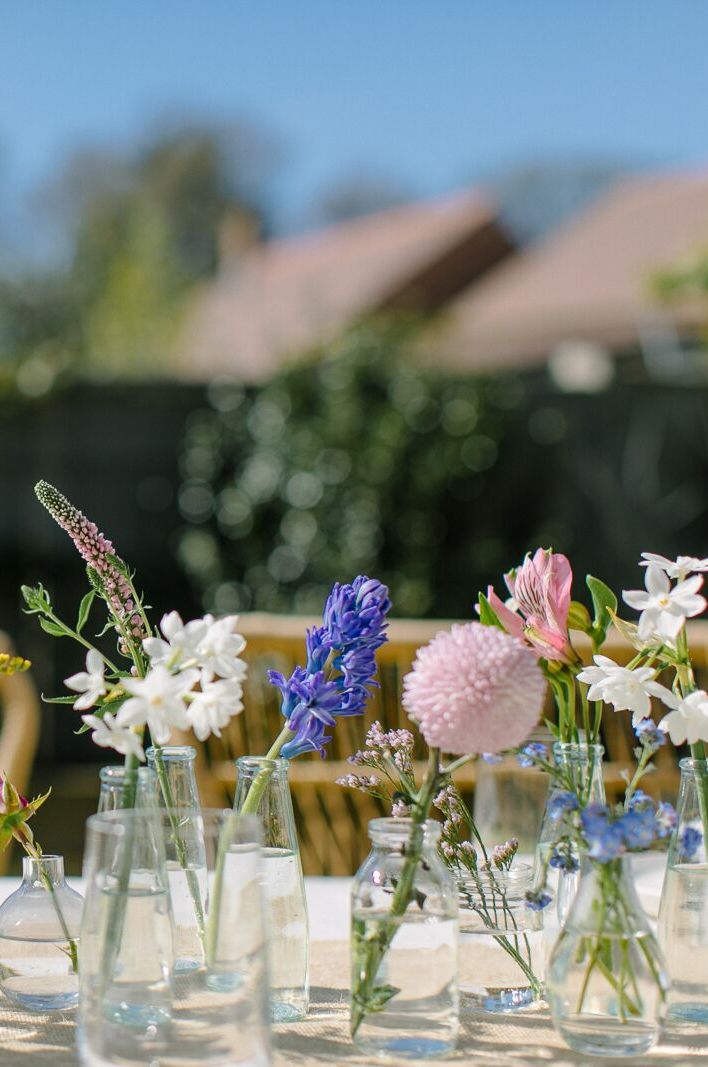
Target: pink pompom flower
(474, 689)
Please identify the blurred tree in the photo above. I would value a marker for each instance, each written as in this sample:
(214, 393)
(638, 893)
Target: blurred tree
(142, 228)
(356, 461)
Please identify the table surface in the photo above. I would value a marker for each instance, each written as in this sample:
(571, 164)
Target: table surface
(323, 1038)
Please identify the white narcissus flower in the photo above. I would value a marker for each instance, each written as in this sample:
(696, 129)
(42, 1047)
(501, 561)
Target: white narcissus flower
(213, 707)
(664, 610)
(220, 647)
(625, 689)
(109, 734)
(181, 641)
(688, 721)
(90, 683)
(678, 568)
(158, 701)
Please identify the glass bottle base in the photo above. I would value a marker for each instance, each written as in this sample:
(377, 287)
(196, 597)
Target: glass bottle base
(499, 1001)
(287, 1011)
(43, 1002)
(414, 1047)
(604, 1037)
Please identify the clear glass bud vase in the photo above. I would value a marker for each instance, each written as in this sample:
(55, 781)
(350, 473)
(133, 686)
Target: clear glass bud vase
(606, 978)
(122, 787)
(404, 945)
(683, 911)
(173, 766)
(262, 789)
(39, 938)
(502, 954)
(580, 766)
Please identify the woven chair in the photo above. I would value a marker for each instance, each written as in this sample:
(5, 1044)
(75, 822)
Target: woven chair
(332, 820)
(19, 734)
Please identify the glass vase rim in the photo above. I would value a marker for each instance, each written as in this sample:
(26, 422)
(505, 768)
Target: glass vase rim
(118, 771)
(401, 827)
(518, 875)
(280, 764)
(579, 748)
(690, 764)
(172, 752)
(54, 861)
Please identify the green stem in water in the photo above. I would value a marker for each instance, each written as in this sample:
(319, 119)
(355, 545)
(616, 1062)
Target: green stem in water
(373, 952)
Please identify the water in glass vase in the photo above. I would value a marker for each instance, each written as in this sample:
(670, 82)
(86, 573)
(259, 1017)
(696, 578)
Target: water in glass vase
(188, 891)
(288, 962)
(136, 994)
(683, 921)
(417, 979)
(37, 974)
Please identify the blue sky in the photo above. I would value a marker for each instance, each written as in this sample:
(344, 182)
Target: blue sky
(429, 93)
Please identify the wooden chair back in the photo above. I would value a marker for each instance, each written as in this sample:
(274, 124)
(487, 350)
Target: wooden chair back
(19, 734)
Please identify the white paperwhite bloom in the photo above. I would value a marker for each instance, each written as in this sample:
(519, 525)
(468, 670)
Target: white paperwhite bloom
(625, 689)
(678, 568)
(109, 734)
(688, 721)
(90, 683)
(158, 701)
(211, 709)
(664, 610)
(181, 641)
(220, 647)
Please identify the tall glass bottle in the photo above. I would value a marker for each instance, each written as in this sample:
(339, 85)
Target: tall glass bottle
(125, 788)
(580, 766)
(39, 937)
(173, 766)
(404, 954)
(285, 903)
(683, 911)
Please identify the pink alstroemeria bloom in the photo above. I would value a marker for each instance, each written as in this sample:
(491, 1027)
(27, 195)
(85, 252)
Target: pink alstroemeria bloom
(540, 589)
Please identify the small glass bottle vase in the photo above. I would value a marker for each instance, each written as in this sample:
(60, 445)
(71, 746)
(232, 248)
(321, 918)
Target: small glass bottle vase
(177, 791)
(683, 911)
(606, 978)
(262, 789)
(39, 938)
(580, 767)
(125, 788)
(502, 954)
(404, 945)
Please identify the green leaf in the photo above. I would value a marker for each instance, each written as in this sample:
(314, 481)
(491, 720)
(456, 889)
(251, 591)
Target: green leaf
(53, 628)
(59, 700)
(380, 996)
(604, 602)
(487, 614)
(84, 610)
(553, 727)
(579, 617)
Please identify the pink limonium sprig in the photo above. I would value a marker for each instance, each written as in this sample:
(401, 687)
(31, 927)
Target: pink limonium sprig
(472, 689)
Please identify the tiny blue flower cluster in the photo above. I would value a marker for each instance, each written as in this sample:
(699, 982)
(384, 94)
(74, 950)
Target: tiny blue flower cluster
(341, 665)
(610, 833)
(649, 735)
(531, 754)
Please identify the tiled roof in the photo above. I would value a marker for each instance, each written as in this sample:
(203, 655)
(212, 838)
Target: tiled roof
(588, 281)
(281, 298)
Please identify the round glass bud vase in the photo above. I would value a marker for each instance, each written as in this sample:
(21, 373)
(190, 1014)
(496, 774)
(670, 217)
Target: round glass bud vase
(502, 950)
(581, 767)
(683, 911)
(606, 978)
(39, 938)
(404, 945)
(262, 789)
(123, 787)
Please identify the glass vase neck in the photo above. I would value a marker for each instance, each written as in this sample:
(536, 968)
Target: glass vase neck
(251, 766)
(577, 752)
(171, 754)
(394, 833)
(37, 871)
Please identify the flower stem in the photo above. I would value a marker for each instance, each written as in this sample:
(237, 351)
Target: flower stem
(258, 785)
